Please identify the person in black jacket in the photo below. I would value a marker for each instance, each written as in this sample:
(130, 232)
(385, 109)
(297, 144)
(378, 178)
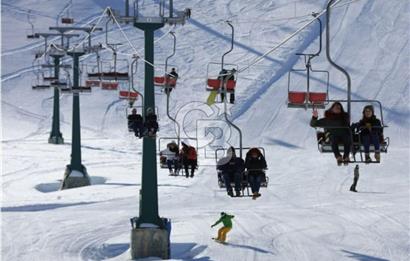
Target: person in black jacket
(337, 123)
(370, 132)
(151, 124)
(255, 164)
(135, 123)
(232, 168)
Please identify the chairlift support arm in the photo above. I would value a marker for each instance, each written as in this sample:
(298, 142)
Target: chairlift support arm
(168, 89)
(349, 94)
(224, 83)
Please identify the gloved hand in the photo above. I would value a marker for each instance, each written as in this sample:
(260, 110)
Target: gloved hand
(369, 126)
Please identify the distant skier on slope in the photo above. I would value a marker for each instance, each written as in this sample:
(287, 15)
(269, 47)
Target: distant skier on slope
(226, 220)
(355, 179)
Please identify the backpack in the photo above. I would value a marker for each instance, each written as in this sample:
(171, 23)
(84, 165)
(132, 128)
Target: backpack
(191, 155)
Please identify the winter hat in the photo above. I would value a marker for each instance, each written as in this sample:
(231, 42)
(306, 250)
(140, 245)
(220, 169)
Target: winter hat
(223, 213)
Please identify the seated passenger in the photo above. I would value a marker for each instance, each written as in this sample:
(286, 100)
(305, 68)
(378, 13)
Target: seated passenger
(336, 122)
(189, 159)
(255, 164)
(232, 169)
(171, 153)
(370, 129)
(174, 76)
(135, 123)
(151, 124)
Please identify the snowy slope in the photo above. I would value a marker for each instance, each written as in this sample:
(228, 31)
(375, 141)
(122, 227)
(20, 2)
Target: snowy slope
(306, 213)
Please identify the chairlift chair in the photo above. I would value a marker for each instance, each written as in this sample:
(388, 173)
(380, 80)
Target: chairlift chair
(215, 82)
(139, 108)
(163, 158)
(37, 85)
(166, 80)
(245, 182)
(306, 98)
(30, 33)
(67, 20)
(129, 95)
(323, 140)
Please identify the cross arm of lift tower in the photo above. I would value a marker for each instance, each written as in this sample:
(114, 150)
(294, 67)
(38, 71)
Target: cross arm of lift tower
(63, 29)
(63, 35)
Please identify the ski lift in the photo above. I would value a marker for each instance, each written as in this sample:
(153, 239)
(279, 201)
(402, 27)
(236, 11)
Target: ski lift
(129, 95)
(92, 83)
(67, 20)
(223, 79)
(215, 77)
(357, 146)
(325, 146)
(169, 80)
(30, 33)
(308, 98)
(37, 84)
(221, 152)
(162, 145)
(106, 85)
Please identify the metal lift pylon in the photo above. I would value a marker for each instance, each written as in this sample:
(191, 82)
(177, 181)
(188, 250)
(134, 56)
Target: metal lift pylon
(150, 235)
(56, 137)
(76, 173)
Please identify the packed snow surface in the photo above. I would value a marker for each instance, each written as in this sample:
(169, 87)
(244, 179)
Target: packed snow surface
(307, 211)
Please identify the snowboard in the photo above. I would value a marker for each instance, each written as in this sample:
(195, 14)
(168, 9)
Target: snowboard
(212, 98)
(218, 241)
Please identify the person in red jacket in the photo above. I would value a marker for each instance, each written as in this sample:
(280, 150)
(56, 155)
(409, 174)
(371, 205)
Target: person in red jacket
(189, 159)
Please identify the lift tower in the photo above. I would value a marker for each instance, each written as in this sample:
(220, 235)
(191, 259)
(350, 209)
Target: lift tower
(150, 234)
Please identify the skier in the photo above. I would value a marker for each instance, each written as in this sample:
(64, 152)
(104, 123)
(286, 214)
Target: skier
(255, 163)
(336, 121)
(151, 124)
(189, 159)
(226, 220)
(171, 156)
(232, 169)
(355, 179)
(135, 123)
(371, 131)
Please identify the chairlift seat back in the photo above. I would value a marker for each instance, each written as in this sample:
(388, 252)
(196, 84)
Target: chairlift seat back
(117, 76)
(92, 83)
(128, 95)
(160, 81)
(215, 84)
(40, 86)
(67, 20)
(109, 85)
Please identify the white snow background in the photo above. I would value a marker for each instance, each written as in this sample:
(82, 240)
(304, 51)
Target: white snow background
(306, 213)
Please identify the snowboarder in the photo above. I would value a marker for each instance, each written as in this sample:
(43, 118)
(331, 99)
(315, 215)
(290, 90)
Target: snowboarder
(255, 164)
(226, 220)
(370, 129)
(189, 159)
(232, 169)
(337, 123)
(135, 123)
(355, 179)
